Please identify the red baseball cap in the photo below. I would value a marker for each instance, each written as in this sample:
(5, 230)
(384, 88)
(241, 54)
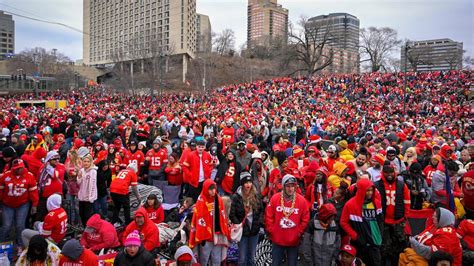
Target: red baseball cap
(349, 249)
(17, 164)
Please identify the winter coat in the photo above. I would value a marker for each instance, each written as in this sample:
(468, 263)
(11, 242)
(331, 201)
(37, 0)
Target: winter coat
(149, 231)
(142, 258)
(223, 168)
(237, 214)
(191, 167)
(104, 178)
(326, 242)
(418, 183)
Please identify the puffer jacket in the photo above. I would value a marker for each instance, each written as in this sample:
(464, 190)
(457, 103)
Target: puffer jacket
(326, 242)
(142, 258)
(237, 214)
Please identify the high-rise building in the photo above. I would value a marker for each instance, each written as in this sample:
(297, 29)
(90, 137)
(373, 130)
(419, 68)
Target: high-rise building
(204, 34)
(7, 32)
(340, 31)
(119, 31)
(432, 55)
(266, 21)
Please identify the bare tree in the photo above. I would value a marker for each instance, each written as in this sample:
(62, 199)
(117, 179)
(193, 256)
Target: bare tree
(40, 60)
(391, 65)
(224, 43)
(309, 46)
(468, 63)
(454, 59)
(376, 44)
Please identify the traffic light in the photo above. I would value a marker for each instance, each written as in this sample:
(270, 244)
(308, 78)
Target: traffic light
(24, 76)
(12, 77)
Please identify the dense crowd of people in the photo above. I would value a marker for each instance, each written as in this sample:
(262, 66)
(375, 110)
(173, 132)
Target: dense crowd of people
(330, 169)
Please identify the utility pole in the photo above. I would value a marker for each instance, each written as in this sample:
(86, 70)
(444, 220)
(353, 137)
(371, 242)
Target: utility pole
(161, 73)
(36, 86)
(131, 74)
(405, 79)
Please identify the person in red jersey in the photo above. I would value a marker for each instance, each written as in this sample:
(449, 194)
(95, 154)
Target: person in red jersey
(155, 210)
(286, 219)
(444, 238)
(54, 226)
(99, 234)
(395, 198)
(135, 155)
(50, 181)
(18, 191)
(119, 191)
(156, 160)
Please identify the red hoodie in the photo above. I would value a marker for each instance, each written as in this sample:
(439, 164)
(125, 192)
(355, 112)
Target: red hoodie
(468, 189)
(352, 217)
(286, 232)
(104, 235)
(33, 162)
(149, 231)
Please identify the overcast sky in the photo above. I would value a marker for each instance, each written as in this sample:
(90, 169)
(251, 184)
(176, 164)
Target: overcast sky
(413, 19)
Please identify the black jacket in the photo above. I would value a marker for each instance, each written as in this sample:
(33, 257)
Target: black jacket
(224, 166)
(237, 214)
(104, 178)
(143, 258)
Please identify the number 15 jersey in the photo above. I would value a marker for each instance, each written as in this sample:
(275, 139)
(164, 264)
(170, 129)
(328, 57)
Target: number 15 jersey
(18, 190)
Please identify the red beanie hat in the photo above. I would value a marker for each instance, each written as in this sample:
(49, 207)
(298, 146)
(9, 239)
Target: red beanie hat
(379, 158)
(326, 211)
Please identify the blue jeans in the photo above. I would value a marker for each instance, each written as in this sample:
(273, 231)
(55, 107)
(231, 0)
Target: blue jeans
(278, 253)
(247, 249)
(17, 216)
(100, 206)
(73, 209)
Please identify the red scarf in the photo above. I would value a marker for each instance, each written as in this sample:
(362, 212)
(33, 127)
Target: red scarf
(202, 225)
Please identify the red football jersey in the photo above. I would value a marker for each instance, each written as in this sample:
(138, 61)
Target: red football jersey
(138, 158)
(55, 185)
(18, 190)
(157, 158)
(123, 181)
(55, 225)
